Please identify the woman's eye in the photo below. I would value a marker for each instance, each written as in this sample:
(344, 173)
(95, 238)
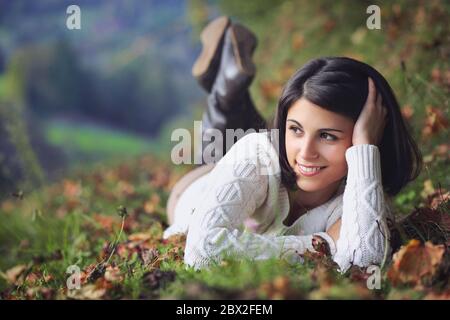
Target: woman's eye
(327, 136)
(295, 130)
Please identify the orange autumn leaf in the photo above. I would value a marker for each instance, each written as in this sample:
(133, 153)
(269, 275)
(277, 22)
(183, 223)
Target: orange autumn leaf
(435, 199)
(445, 295)
(71, 189)
(124, 189)
(298, 41)
(160, 177)
(106, 222)
(434, 122)
(415, 262)
(7, 206)
(139, 237)
(113, 274)
(436, 75)
(279, 288)
(440, 77)
(407, 111)
(329, 25)
(270, 89)
(286, 71)
(442, 150)
(87, 292)
(14, 275)
(151, 205)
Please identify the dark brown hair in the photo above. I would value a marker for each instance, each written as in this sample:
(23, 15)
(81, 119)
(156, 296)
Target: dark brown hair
(340, 85)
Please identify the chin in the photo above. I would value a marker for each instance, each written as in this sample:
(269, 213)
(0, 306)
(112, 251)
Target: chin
(313, 186)
(309, 186)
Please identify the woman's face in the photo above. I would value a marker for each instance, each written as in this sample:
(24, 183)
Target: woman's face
(316, 141)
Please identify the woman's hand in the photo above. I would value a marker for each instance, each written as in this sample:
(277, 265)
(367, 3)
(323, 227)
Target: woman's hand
(371, 122)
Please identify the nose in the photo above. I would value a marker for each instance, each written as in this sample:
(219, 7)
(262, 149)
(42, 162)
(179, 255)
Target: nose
(308, 149)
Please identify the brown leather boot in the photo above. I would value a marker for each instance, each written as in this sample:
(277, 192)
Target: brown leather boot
(206, 66)
(229, 105)
(236, 70)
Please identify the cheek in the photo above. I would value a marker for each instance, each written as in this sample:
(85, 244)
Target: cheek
(335, 156)
(291, 149)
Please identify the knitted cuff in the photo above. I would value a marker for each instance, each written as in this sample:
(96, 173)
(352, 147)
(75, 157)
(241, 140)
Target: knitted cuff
(363, 162)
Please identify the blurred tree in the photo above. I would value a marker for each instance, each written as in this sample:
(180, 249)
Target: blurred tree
(140, 96)
(20, 167)
(53, 80)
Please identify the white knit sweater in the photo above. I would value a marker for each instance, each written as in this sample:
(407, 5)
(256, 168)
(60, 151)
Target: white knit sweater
(239, 207)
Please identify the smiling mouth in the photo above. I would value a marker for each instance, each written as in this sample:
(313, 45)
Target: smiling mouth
(310, 171)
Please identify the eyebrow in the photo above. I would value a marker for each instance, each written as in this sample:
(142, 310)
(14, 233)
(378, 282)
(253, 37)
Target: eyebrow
(323, 129)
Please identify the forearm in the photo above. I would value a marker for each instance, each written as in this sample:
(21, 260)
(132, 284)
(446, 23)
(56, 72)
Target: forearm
(362, 234)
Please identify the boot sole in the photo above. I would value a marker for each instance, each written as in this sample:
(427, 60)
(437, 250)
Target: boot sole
(211, 38)
(244, 43)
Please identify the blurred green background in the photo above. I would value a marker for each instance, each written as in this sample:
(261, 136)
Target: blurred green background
(69, 97)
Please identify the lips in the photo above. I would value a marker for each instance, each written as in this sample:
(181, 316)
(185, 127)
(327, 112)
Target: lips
(310, 171)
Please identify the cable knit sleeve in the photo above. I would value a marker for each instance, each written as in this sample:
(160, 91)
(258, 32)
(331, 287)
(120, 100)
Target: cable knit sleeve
(363, 234)
(236, 190)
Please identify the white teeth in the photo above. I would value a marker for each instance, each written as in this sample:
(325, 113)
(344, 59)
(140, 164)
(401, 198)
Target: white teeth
(306, 169)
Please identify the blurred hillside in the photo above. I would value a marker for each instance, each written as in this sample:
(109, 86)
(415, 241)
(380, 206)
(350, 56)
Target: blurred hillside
(127, 71)
(118, 69)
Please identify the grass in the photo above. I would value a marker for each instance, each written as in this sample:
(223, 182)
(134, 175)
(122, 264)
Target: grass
(74, 222)
(84, 140)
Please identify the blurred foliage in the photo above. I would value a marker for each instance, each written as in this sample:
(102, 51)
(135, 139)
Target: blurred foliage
(411, 50)
(52, 79)
(18, 162)
(126, 70)
(79, 221)
(198, 16)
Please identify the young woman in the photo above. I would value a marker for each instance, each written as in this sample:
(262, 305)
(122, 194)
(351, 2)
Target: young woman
(321, 179)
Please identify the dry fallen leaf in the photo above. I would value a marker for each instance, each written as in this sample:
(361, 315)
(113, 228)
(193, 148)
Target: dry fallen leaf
(329, 25)
(124, 189)
(139, 237)
(160, 177)
(71, 189)
(151, 205)
(89, 292)
(113, 274)
(428, 188)
(437, 198)
(415, 263)
(435, 121)
(438, 296)
(14, 275)
(40, 292)
(442, 150)
(407, 111)
(278, 289)
(298, 41)
(270, 89)
(106, 222)
(148, 256)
